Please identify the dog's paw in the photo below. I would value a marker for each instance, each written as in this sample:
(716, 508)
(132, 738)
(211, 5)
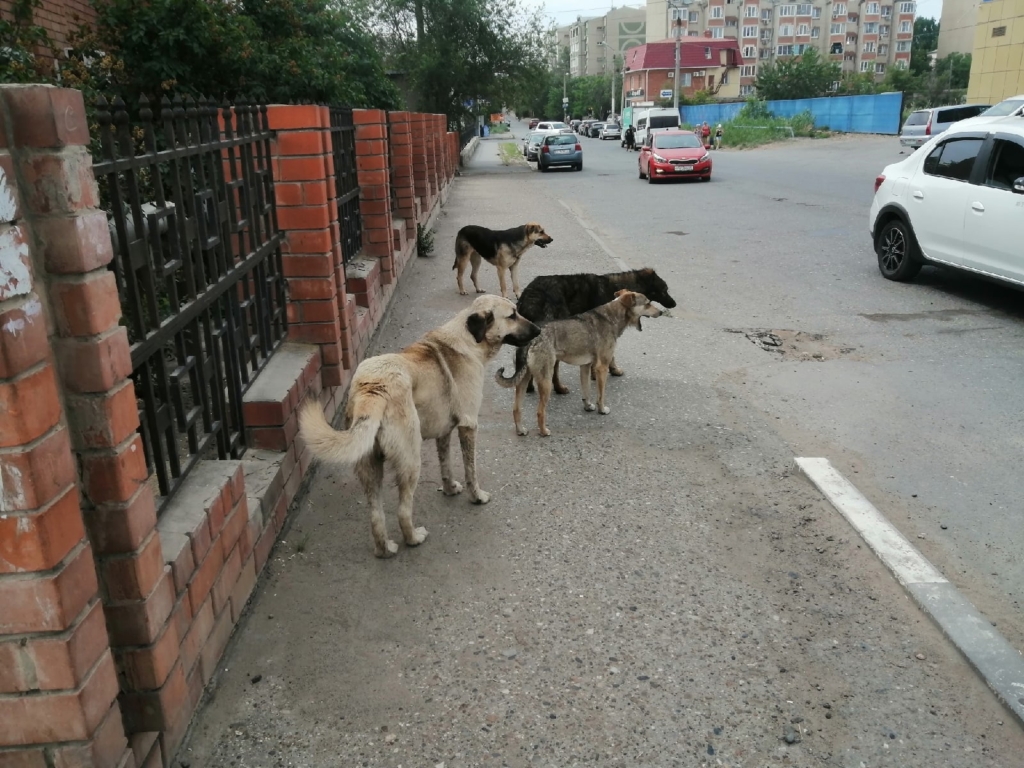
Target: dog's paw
(390, 548)
(453, 488)
(522, 431)
(481, 497)
(562, 389)
(463, 293)
(589, 406)
(616, 371)
(481, 290)
(605, 411)
(545, 432)
(419, 535)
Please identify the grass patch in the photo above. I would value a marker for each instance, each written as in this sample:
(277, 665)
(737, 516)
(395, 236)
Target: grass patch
(755, 126)
(499, 128)
(509, 152)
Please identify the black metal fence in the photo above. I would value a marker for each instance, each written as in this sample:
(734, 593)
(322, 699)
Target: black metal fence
(190, 195)
(343, 145)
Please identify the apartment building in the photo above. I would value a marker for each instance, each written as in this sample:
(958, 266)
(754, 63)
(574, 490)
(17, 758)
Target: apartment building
(997, 65)
(648, 73)
(861, 35)
(590, 39)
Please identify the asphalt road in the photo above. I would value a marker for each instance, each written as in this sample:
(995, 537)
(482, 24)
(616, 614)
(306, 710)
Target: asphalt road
(659, 587)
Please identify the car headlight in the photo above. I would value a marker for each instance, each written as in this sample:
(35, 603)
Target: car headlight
(658, 157)
(707, 156)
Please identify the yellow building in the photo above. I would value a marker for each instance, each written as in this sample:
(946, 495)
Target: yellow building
(997, 65)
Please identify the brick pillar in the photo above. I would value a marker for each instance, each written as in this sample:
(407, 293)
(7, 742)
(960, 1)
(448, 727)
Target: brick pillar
(430, 122)
(58, 685)
(419, 165)
(307, 213)
(400, 158)
(372, 161)
(453, 153)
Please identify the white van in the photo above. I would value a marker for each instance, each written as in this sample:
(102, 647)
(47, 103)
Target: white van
(655, 120)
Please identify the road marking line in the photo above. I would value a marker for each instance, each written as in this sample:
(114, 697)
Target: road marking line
(597, 239)
(999, 663)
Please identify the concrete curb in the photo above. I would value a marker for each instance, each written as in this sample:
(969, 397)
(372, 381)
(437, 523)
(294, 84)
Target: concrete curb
(1000, 665)
(469, 150)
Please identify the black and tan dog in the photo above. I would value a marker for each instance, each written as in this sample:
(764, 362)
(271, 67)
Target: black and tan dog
(427, 391)
(587, 340)
(502, 248)
(556, 297)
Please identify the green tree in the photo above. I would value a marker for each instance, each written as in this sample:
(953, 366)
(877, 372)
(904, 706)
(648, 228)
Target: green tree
(954, 71)
(926, 40)
(801, 77)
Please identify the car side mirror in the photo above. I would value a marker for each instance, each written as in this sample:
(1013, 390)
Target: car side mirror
(1018, 186)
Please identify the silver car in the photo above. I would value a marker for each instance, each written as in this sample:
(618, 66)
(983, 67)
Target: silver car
(533, 142)
(610, 131)
(922, 124)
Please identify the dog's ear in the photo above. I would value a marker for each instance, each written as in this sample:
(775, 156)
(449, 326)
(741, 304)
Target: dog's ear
(621, 291)
(628, 299)
(647, 271)
(478, 323)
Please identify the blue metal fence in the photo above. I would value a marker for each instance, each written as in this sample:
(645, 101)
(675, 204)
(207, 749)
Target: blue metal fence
(877, 113)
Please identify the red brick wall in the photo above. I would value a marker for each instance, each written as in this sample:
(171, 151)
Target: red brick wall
(113, 620)
(58, 17)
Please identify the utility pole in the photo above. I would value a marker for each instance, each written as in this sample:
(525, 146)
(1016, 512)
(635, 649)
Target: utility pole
(565, 99)
(613, 84)
(677, 33)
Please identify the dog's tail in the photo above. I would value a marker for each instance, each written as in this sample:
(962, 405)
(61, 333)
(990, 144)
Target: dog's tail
(341, 447)
(521, 372)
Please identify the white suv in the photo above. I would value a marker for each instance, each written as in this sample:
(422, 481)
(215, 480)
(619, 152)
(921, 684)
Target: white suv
(958, 201)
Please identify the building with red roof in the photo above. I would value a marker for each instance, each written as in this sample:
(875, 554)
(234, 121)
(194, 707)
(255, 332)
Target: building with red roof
(704, 64)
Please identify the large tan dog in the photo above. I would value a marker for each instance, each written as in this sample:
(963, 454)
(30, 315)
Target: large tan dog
(424, 392)
(587, 340)
(502, 248)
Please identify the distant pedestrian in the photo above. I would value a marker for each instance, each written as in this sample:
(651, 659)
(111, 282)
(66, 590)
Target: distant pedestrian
(705, 134)
(718, 136)
(630, 138)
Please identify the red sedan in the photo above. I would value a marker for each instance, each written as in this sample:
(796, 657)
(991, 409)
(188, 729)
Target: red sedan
(678, 154)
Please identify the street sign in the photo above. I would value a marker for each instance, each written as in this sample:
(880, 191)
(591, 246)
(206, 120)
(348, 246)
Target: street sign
(565, 99)
(666, 94)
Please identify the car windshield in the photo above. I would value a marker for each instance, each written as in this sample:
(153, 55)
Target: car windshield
(686, 141)
(1004, 108)
(536, 138)
(558, 126)
(552, 140)
(917, 118)
(664, 121)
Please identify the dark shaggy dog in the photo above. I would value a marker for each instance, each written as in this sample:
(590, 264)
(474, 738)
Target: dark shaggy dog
(556, 297)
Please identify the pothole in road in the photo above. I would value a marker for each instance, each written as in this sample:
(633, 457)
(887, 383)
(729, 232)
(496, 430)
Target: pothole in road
(794, 345)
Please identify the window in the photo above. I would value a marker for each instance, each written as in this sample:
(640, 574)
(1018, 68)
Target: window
(816, 13)
(906, 26)
(693, 17)
(784, 50)
(901, 63)
(765, 53)
(731, 23)
(725, 78)
(718, 33)
(865, 66)
(750, 11)
(766, 14)
(803, 30)
(871, 28)
(908, 7)
(787, 10)
(879, 69)
(815, 33)
(1008, 165)
(717, 12)
(953, 159)
(766, 34)
(799, 49)
(749, 70)
(886, 11)
(692, 33)
(902, 46)
(837, 29)
(746, 90)
(851, 40)
(686, 78)
(839, 9)
(750, 31)
(707, 52)
(883, 30)
(785, 30)
(677, 14)
(803, 9)
(852, 18)
(872, 8)
(883, 49)
(749, 51)
(835, 49)
(869, 47)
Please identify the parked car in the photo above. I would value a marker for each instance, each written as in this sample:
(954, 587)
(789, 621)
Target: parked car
(533, 142)
(533, 123)
(958, 202)
(584, 127)
(1011, 107)
(552, 126)
(922, 124)
(595, 130)
(673, 154)
(561, 149)
(655, 120)
(610, 131)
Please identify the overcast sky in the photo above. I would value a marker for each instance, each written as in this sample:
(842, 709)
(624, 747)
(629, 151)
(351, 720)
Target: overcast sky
(565, 11)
